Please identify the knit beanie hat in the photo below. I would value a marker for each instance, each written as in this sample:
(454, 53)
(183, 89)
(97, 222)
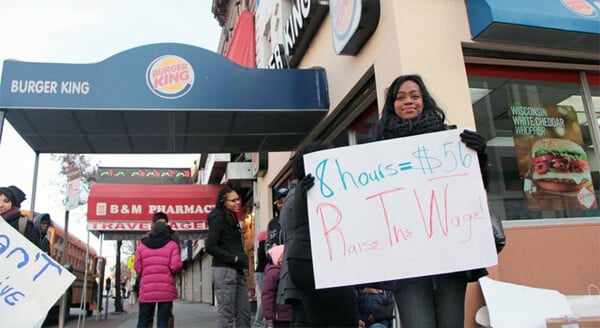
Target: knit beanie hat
(14, 194)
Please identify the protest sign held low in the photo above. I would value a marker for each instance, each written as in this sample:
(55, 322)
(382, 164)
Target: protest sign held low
(30, 280)
(397, 208)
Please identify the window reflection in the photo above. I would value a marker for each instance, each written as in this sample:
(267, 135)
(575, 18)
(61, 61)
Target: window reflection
(493, 91)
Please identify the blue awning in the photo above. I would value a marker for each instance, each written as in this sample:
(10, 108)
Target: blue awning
(161, 98)
(564, 24)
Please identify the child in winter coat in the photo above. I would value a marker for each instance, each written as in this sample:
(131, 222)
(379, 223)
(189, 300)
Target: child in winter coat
(279, 314)
(157, 260)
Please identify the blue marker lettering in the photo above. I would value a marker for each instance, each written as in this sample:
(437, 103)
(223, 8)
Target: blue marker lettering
(48, 262)
(325, 190)
(25, 256)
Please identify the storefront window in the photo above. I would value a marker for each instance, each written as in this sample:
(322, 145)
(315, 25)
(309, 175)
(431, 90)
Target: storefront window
(540, 148)
(364, 126)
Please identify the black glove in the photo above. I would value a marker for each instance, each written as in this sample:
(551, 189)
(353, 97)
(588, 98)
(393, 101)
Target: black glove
(474, 141)
(243, 261)
(306, 183)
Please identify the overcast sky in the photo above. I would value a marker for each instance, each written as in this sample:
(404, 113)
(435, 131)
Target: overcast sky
(89, 31)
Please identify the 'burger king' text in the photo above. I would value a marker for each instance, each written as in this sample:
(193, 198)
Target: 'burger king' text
(50, 87)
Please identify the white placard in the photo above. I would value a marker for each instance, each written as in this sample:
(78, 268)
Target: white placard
(512, 305)
(397, 208)
(30, 280)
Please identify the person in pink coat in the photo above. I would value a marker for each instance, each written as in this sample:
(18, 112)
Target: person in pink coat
(157, 260)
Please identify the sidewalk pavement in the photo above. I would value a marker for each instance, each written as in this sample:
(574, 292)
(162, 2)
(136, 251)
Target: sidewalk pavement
(187, 314)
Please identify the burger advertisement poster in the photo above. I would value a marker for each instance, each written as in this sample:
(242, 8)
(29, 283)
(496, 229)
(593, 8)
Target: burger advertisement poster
(552, 161)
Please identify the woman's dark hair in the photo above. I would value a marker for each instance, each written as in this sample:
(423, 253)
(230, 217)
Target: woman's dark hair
(390, 97)
(160, 216)
(220, 203)
(160, 229)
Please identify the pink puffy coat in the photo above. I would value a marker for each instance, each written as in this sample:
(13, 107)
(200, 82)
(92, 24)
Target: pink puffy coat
(157, 267)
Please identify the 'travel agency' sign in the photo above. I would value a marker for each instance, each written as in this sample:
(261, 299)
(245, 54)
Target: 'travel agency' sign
(144, 226)
(399, 206)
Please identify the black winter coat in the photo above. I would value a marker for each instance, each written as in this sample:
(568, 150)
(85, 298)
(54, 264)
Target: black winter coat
(224, 240)
(274, 236)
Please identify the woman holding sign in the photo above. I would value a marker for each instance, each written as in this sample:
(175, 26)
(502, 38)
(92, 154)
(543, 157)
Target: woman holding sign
(437, 300)
(11, 198)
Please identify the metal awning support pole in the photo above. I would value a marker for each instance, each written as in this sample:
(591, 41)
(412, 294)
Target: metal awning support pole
(63, 261)
(101, 283)
(36, 169)
(83, 302)
(2, 115)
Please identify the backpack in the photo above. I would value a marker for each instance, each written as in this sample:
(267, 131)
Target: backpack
(23, 224)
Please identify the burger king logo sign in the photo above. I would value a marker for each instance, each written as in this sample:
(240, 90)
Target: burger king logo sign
(581, 7)
(170, 77)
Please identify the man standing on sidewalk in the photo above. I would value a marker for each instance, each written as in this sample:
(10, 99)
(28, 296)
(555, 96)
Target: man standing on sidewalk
(225, 244)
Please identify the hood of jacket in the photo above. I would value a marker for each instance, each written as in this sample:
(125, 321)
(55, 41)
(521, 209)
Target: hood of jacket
(159, 236)
(155, 241)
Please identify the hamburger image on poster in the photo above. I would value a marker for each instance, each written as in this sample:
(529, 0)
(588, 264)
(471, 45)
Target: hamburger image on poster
(559, 165)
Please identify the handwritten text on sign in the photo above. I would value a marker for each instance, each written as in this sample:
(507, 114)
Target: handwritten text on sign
(30, 280)
(398, 208)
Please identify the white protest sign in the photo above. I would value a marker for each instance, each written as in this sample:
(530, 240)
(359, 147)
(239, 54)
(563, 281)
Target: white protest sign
(30, 280)
(397, 208)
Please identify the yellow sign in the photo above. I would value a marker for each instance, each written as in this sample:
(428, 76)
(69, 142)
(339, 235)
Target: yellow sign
(130, 260)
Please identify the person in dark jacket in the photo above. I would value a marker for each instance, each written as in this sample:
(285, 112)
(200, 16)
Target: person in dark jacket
(42, 223)
(274, 232)
(157, 260)
(327, 307)
(11, 198)
(435, 300)
(225, 244)
(279, 314)
(287, 291)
